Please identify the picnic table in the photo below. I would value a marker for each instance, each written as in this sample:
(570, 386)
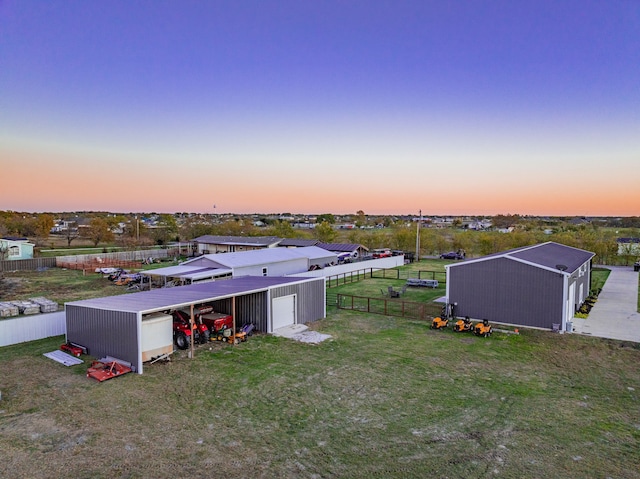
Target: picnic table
(427, 283)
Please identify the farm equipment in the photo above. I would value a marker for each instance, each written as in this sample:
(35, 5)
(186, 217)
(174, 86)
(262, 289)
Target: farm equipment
(463, 325)
(241, 335)
(217, 322)
(439, 323)
(483, 329)
(107, 369)
(73, 349)
(182, 329)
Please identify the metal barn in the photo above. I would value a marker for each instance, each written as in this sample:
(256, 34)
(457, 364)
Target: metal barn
(114, 325)
(537, 286)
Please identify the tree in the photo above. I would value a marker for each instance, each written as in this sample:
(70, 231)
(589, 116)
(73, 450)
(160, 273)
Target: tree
(404, 238)
(328, 217)
(325, 232)
(99, 231)
(44, 224)
(166, 229)
(71, 232)
(361, 219)
(4, 254)
(282, 229)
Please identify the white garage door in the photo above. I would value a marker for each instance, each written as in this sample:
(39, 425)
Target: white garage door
(283, 312)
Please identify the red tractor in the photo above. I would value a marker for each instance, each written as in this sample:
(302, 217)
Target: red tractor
(216, 322)
(182, 329)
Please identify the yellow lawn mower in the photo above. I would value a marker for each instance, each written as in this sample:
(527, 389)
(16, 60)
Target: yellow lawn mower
(463, 325)
(439, 323)
(483, 329)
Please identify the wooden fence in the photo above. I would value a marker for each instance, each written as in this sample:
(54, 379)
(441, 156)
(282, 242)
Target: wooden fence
(348, 277)
(393, 273)
(32, 264)
(384, 306)
(119, 259)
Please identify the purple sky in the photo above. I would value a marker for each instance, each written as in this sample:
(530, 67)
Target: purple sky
(269, 106)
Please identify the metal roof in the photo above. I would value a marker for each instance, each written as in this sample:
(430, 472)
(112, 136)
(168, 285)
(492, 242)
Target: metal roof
(242, 259)
(342, 247)
(298, 242)
(180, 296)
(548, 255)
(238, 240)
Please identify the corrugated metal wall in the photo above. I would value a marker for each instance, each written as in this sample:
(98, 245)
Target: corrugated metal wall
(310, 299)
(20, 329)
(104, 333)
(507, 291)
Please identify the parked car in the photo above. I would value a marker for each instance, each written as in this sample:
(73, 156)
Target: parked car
(451, 255)
(381, 253)
(636, 266)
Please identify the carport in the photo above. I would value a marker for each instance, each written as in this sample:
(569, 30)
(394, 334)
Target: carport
(113, 326)
(185, 274)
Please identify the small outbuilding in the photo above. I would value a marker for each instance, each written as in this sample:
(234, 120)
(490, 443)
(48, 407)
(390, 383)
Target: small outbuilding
(537, 286)
(137, 326)
(12, 248)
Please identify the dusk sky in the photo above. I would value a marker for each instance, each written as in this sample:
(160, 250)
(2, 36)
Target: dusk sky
(390, 107)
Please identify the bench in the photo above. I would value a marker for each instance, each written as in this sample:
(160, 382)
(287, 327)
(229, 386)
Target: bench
(427, 283)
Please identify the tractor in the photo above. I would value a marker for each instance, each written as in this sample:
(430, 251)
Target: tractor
(463, 325)
(483, 329)
(217, 322)
(182, 329)
(439, 323)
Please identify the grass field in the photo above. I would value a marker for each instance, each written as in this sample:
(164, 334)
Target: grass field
(382, 398)
(385, 397)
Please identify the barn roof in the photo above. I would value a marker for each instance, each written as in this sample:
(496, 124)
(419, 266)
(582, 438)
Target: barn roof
(298, 242)
(180, 296)
(261, 256)
(548, 255)
(342, 247)
(264, 241)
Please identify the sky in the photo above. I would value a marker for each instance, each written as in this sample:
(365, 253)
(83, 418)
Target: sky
(527, 107)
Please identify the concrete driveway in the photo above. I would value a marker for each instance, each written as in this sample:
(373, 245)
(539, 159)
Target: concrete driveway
(615, 314)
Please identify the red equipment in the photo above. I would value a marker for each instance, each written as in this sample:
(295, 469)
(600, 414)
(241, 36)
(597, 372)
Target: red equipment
(101, 371)
(73, 349)
(182, 329)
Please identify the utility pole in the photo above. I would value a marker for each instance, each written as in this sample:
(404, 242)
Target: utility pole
(418, 237)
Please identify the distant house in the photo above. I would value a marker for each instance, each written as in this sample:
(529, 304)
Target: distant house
(210, 244)
(628, 246)
(539, 286)
(13, 248)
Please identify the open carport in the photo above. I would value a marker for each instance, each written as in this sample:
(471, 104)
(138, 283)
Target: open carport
(113, 326)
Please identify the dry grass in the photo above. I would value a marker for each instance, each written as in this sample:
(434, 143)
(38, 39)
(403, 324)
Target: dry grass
(384, 398)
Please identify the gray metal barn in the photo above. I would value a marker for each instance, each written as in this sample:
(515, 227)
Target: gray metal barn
(538, 286)
(117, 325)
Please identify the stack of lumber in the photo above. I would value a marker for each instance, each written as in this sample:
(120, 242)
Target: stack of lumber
(46, 305)
(26, 307)
(7, 310)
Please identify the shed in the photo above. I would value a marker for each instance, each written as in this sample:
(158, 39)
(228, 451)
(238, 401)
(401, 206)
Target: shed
(12, 247)
(537, 286)
(113, 326)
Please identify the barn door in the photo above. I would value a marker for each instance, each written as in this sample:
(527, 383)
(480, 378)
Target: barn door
(283, 311)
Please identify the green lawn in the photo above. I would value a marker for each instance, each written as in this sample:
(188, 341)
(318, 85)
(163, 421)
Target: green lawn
(383, 398)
